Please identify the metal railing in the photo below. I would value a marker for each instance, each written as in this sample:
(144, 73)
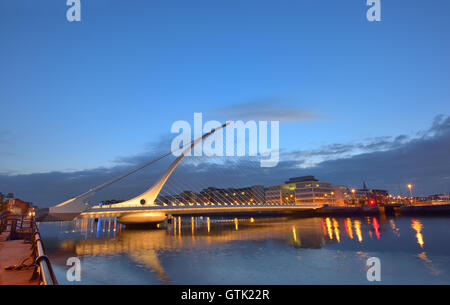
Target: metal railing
(43, 267)
(3, 222)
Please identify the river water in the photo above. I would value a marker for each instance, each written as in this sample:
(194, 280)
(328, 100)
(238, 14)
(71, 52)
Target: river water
(254, 251)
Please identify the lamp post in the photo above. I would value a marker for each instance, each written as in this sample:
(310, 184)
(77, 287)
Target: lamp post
(410, 193)
(353, 197)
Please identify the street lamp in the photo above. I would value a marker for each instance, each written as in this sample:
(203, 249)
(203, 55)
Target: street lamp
(353, 197)
(410, 193)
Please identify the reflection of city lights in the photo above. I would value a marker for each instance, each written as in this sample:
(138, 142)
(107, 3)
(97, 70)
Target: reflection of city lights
(357, 224)
(330, 232)
(348, 224)
(144, 246)
(236, 224)
(429, 264)
(336, 230)
(324, 229)
(376, 226)
(417, 226)
(252, 220)
(208, 224)
(395, 230)
(174, 227)
(423, 256)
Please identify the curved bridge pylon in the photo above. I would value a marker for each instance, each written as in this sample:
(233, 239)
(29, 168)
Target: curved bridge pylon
(75, 206)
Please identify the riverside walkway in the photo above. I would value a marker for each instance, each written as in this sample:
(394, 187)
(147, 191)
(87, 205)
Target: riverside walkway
(12, 252)
(22, 257)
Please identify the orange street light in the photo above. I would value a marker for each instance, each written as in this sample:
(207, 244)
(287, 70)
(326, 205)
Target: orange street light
(410, 192)
(353, 196)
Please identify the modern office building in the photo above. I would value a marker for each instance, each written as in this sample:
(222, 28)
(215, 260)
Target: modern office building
(310, 191)
(273, 194)
(305, 190)
(280, 194)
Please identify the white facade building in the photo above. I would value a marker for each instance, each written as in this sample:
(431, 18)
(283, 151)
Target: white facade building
(304, 190)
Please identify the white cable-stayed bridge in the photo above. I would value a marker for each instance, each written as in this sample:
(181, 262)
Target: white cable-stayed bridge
(142, 209)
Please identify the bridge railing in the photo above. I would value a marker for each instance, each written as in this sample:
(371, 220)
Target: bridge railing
(3, 221)
(43, 267)
(14, 224)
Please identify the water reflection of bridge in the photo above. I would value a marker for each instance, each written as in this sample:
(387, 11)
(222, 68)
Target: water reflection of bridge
(108, 236)
(143, 246)
(188, 233)
(194, 234)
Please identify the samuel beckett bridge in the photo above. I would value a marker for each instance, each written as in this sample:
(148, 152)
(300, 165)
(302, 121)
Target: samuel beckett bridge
(142, 209)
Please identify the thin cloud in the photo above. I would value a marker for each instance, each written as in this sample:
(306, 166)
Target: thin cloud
(5, 142)
(265, 110)
(4, 137)
(344, 150)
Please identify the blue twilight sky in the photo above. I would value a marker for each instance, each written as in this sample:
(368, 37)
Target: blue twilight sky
(76, 96)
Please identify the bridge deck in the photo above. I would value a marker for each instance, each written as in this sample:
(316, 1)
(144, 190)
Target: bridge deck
(185, 210)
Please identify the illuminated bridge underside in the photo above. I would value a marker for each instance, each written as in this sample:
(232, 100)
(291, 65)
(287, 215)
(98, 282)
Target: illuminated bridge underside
(159, 213)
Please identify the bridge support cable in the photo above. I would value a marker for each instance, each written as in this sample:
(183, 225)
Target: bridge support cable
(77, 204)
(173, 186)
(219, 199)
(236, 169)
